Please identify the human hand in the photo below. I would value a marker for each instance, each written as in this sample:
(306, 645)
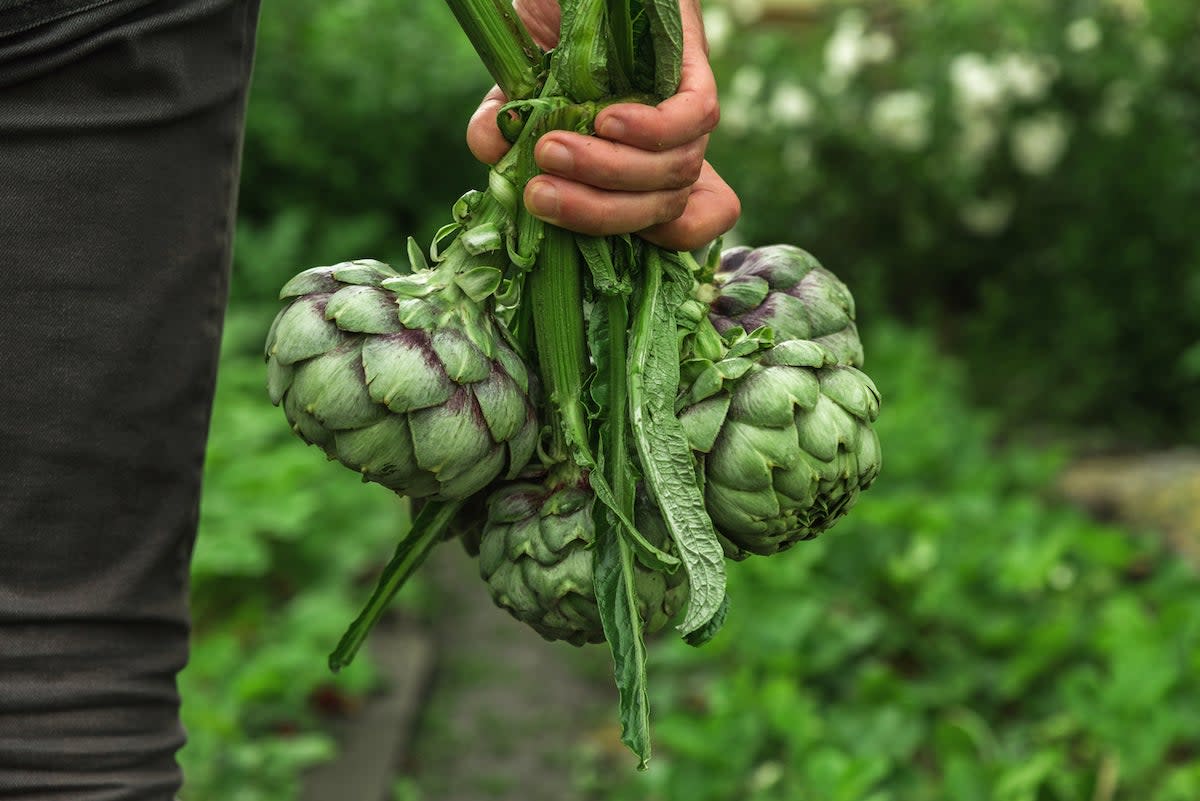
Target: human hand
(644, 170)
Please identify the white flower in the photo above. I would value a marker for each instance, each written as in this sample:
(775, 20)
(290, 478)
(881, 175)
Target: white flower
(746, 83)
(987, 216)
(845, 52)
(977, 138)
(717, 28)
(877, 47)
(1038, 142)
(1083, 34)
(791, 105)
(1025, 76)
(901, 119)
(976, 84)
(1115, 115)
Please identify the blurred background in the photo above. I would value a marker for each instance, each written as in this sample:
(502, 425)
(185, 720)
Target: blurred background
(1011, 188)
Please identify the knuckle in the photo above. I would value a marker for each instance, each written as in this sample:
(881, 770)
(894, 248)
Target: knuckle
(674, 205)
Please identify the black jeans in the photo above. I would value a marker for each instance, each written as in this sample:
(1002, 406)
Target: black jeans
(120, 134)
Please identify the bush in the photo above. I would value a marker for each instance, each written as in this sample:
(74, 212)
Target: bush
(957, 636)
(1019, 175)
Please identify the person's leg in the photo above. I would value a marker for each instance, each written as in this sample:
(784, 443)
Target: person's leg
(120, 133)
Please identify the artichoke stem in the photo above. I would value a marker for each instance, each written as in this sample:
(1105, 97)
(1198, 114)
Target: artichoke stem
(427, 530)
(556, 293)
(503, 44)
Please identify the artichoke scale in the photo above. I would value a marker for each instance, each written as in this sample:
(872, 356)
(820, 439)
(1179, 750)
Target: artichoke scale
(450, 438)
(363, 310)
(464, 363)
(313, 281)
(332, 389)
(302, 332)
(403, 373)
(745, 456)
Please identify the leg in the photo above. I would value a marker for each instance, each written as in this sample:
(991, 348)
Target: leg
(120, 134)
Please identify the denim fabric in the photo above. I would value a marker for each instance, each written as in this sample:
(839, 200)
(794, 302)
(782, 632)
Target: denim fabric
(120, 135)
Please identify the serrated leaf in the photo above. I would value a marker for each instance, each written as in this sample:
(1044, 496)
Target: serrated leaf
(662, 444)
(616, 597)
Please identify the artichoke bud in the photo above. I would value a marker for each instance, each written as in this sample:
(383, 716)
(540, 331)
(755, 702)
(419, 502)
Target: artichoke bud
(785, 289)
(403, 378)
(536, 557)
(783, 435)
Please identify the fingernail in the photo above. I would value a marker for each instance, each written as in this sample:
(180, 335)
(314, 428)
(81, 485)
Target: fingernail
(542, 200)
(611, 128)
(554, 157)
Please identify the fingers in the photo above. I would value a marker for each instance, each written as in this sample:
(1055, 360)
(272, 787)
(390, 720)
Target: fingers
(679, 219)
(612, 165)
(692, 112)
(541, 18)
(600, 212)
(712, 209)
(483, 137)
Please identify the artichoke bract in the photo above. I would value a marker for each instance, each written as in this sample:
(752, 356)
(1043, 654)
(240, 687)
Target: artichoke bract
(787, 289)
(784, 435)
(403, 378)
(536, 557)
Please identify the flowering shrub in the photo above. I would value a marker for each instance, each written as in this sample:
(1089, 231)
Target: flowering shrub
(1021, 173)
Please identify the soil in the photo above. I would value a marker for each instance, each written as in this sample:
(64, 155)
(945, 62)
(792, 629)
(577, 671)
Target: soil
(509, 715)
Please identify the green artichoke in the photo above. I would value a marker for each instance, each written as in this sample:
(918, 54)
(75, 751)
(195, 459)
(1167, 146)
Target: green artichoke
(536, 558)
(784, 287)
(404, 378)
(783, 433)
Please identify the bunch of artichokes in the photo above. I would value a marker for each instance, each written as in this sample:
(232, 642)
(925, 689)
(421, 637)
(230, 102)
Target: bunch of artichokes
(603, 423)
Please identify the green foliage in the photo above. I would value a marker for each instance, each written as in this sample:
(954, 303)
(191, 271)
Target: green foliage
(284, 545)
(957, 636)
(1021, 174)
(355, 131)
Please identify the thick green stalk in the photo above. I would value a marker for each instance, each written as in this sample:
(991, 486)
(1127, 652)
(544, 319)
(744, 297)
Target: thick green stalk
(556, 292)
(427, 529)
(503, 44)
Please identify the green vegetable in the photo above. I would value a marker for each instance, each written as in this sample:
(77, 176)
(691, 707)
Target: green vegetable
(668, 434)
(536, 557)
(404, 378)
(785, 436)
(785, 288)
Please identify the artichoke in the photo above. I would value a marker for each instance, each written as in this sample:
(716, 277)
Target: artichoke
(785, 288)
(783, 433)
(403, 378)
(536, 558)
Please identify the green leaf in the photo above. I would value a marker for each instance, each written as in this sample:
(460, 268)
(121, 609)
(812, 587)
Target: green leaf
(666, 29)
(580, 64)
(616, 596)
(662, 444)
(598, 254)
(709, 630)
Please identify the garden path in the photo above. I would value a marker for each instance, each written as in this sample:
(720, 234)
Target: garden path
(510, 716)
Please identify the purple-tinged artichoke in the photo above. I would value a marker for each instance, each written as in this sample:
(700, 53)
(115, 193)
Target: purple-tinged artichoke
(406, 379)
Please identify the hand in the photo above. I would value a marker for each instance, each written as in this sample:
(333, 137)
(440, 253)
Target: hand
(644, 170)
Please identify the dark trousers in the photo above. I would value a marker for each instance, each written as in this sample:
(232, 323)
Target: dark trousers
(120, 133)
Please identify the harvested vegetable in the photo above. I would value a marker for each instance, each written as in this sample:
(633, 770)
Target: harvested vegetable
(604, 422)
